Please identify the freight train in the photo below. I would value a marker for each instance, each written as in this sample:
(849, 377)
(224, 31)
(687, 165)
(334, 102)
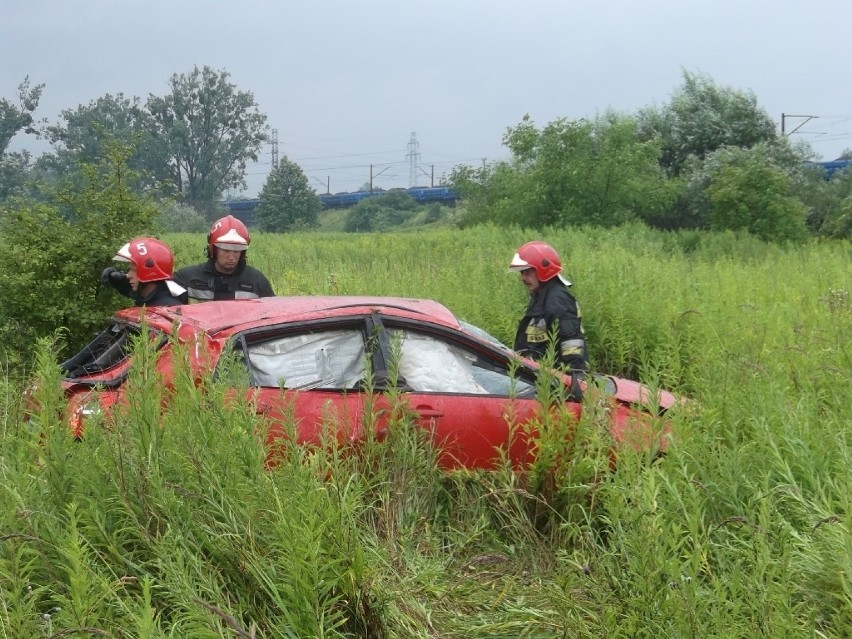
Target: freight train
(422, 194)
(833, 166)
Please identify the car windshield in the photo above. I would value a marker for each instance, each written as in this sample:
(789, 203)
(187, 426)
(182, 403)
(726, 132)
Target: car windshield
(109, 349)
(482, 334)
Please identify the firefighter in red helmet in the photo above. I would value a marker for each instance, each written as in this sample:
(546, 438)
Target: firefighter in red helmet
(148, 280)
(553, 314)
(226, 274)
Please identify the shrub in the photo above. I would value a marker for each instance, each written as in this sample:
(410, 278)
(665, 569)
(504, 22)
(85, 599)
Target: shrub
(54, 252)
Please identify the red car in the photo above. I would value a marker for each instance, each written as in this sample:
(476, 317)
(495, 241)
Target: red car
(309, 358)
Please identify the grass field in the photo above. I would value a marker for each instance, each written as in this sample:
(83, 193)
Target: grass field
(170, 527)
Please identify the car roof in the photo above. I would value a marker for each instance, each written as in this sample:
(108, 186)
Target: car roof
(236, 315)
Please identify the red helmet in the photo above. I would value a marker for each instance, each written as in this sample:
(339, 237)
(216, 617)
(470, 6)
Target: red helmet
(227, 233)
(540, 256)
(152, 258)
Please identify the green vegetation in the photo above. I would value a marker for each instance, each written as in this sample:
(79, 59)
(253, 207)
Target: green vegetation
(708, 159)
(195, 140)
(55, 247)
(287, 202)
(168, 524)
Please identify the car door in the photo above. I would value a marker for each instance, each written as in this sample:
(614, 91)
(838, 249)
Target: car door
(304, 381)
(477, 401)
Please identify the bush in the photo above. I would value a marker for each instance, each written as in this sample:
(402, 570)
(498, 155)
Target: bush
(175, 217)
(382, 213)
(55, 250)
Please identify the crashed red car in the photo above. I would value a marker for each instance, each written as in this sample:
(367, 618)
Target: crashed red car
(309, 358)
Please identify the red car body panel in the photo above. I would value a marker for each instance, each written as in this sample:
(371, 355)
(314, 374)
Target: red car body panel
(469, 429)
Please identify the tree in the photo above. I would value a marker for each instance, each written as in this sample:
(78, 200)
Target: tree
(55, 249)
(176, 217)
(703, 117)
(13, 174)
(747, 191)
(480, 190)
(569, 172)
(15, 118)
(786, 173)
(208, 131)
(829, 202)
(287, 202)
(88, 130)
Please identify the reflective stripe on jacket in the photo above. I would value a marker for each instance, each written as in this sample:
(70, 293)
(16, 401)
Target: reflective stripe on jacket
(204, 283)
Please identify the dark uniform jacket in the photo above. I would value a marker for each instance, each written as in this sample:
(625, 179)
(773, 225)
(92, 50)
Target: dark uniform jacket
(165, 293)
(160, 296)
(204, 283)
(553, 311)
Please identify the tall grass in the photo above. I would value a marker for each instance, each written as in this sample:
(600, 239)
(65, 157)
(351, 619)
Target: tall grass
(167, 523)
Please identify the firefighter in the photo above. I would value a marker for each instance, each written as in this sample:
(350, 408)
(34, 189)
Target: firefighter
(148, 280)
(226, 274)
(553, 314)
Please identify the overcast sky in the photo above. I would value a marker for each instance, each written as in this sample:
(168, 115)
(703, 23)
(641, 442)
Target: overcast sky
(348, 83)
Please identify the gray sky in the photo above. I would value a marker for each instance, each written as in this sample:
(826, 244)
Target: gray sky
(346, 83)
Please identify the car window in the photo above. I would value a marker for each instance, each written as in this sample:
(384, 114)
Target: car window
(318, 359)
(482, 333)
(110, 348)
(431, 364)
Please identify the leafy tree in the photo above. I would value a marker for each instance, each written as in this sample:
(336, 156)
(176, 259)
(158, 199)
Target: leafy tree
(695, 208)
(361, 217)
(287, 202)
(703, 117)
(398, 200)
(13, 174)
(569, 172)
(88, 130)
(18, 117)
(481, 189)
(208, 130)
(839, 224)
(829, 202)
(55, 249)
(15, 118)
(748, 192)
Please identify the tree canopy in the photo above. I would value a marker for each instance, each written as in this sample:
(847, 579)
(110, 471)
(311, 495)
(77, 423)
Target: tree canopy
(702, 117)
(287, 202)
(18, 117)
(208, 130)
(568, 173)
(198, 138)
(89, 129)
(676, 166)
(383, 212)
